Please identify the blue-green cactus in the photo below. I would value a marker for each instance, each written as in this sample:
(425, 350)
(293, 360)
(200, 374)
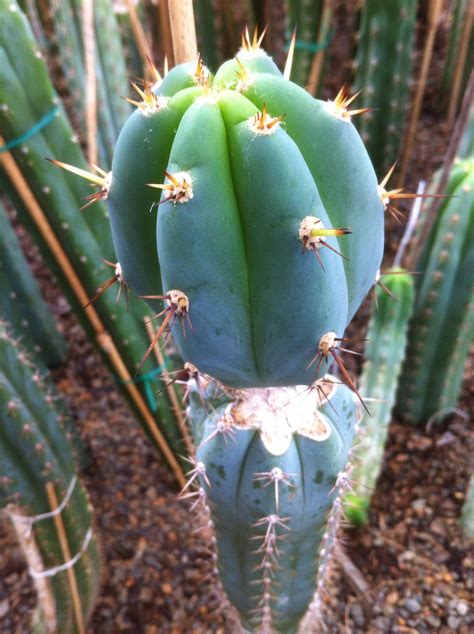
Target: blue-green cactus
(250, 254)
(270, 465)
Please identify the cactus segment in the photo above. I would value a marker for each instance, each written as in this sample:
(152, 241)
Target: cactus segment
(35, 453)
(467, 517)
(383, 67)
(345, 177)
(188, 75)
(272, 488)
(262, 241)
(21, 302)
(132, 204)
(384, 353)
(305, 17)
(85, 238)
(442, 326)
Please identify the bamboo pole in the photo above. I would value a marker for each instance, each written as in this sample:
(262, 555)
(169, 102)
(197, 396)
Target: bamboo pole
(170, 391)
(434, 14)
(317, 62)
(460, 62)
(139, 36)
(91, 83)
(66, 552)
(165, 30)
(183, 32)
(104, 339)
(31, 552)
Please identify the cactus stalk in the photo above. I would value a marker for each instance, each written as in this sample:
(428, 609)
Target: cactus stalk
(37, 471)
(384, 353)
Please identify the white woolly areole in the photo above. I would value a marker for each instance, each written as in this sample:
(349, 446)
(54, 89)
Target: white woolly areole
(278, 413)
(384, 197)
(252, 53)
(337, 111)
(306, 226)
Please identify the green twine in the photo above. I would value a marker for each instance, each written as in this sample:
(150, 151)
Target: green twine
(42, 123)
(312, 47)
(146, 379)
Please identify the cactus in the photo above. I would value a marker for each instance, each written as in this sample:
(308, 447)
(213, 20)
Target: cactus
(256, 215)
(36, 467)
(21, 302)
(85, 238)
(442, 326)
(305, 17)
(384, 353)
(270, 464)
(383, 67)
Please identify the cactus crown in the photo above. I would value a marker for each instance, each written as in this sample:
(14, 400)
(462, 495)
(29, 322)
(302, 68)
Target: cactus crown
(251, 169)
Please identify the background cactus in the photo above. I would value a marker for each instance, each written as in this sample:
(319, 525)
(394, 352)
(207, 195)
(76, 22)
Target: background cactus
(85, 238)
(383, 67)
(21, 302)
(442, 326)
(384, 353)
(37, 471)
(245, 225)
(467, 518)
(270, 464)
(305, 17)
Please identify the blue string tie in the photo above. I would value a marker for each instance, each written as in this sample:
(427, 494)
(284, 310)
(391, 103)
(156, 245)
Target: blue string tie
(37, 127)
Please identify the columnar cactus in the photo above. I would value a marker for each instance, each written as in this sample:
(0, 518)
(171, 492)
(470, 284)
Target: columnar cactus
(383, 66)
(36, 457)
(27, 96)
(270, 464)
(253, 211)
(21, 302)
(442, 327)
(305, 17)
(384, 353)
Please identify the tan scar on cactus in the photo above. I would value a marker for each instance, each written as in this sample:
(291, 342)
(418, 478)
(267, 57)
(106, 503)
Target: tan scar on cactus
(278, 413)
(178, 190)
(311, 233)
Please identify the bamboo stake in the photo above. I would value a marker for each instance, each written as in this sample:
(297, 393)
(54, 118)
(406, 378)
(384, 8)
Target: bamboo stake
(434, 14)
(165, 31)
(91, 85)
(139, 36)
(460, 62)
(183, 32)
(66, 552)
(104, 339)
(34, 560)
(318, 58)
(170, 391)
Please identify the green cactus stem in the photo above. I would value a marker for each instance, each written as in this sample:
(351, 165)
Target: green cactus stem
(384, 353)
(35, 456)
(270, 465)
(305, 17)
(383, 67)
(21, 302)
(262, 246)
(442, 325)
(85, 238)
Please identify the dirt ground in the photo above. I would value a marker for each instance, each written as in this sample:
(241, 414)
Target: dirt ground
(418, 569)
